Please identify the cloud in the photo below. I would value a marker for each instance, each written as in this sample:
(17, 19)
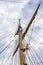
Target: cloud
(10, 11)
(36, 1)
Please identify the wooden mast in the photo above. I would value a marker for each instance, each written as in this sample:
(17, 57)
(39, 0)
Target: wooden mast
(21, 47)
(28, 26)
(21, 36)
(22, 59)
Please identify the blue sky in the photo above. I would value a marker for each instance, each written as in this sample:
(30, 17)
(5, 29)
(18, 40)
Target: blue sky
(10, 12)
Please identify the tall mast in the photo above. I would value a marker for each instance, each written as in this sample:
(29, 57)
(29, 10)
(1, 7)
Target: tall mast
(28, 26)
(21, 37)
(21, 46)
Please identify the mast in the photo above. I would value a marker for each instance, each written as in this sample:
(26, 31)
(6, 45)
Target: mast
(22, 59)
(28, 26)
(21, 37)
(21, 47)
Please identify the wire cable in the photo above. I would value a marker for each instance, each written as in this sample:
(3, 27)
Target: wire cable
(6, 36)
(34, 31)
(31, 61)
(33, 40)
(37, 33)
(9, 57)
(5, 41)
(6, 46)
(31, 32)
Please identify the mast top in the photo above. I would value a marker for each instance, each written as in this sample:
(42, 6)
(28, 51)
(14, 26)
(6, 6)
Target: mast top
(20, 28)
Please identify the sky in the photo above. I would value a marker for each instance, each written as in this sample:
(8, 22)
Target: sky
(10, 13)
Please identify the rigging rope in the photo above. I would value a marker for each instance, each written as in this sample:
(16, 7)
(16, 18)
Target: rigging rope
(6, 41)
(9, 57)
(34, 31)
(37, 33)
(6, 36)
(6, 46)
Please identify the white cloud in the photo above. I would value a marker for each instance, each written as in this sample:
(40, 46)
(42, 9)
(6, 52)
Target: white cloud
(35, 1)
(10, 11)
(7, 9)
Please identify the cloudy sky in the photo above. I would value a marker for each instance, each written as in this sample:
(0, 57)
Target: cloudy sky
(10, 13)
